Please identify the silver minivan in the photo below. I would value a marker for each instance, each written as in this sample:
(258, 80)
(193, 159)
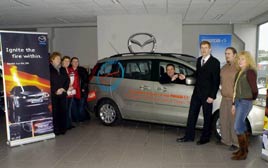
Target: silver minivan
(126, 86)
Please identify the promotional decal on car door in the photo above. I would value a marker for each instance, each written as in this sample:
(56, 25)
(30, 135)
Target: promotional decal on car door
(163, 98)
(26, 86)
(105, 71)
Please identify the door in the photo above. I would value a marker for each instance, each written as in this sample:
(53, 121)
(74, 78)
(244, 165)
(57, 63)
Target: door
(135, 92)
(172, 101)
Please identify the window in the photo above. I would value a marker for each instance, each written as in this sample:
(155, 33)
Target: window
(140, 69)
(179, 68)
(108, 69)
(262, 65)
(262, 59)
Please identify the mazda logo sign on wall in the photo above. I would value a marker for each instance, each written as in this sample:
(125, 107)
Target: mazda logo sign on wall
(141, 41)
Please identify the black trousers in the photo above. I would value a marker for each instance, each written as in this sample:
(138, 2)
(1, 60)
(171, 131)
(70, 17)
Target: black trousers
(196, 103)
(59, 112)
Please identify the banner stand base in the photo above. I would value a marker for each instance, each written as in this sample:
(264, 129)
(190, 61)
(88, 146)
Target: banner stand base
(264, 154)
(30, 140)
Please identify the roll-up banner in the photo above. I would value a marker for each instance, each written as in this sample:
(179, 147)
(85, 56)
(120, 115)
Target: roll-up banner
(219, 42)
(26, 84)
(264, 152)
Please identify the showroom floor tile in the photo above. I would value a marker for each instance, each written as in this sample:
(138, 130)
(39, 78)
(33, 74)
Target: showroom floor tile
(129, 145)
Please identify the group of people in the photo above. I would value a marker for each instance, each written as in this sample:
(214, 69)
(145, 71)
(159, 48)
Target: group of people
(69, 90)
(238, 88)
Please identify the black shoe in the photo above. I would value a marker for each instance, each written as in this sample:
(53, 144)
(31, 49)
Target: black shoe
(202, 142)
(183, 139)
(57, 133)
(219, 142)
(233, 148)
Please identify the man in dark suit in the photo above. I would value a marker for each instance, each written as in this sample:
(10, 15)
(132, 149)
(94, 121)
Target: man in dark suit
(205, 91)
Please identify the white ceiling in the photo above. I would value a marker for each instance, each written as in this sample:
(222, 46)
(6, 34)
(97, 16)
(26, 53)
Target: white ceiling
(30, 13)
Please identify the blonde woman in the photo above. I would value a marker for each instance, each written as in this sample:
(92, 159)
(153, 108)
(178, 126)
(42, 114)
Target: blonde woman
(245, 91)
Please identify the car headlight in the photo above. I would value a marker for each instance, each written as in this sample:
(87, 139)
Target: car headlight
(260, 101)
(45, 95)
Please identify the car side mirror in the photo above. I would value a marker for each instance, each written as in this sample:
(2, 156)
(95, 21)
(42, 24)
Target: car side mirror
(190, 81)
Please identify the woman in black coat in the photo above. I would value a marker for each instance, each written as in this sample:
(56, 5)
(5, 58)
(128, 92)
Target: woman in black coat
(59, 82)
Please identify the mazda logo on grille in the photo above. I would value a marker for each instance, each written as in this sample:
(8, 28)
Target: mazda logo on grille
(141, 40)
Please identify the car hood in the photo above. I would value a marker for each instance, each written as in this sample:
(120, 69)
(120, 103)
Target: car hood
(31, 93)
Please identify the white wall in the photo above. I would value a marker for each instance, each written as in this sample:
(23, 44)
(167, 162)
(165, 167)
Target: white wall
(78, 41)
(114, 31)
(247, 33)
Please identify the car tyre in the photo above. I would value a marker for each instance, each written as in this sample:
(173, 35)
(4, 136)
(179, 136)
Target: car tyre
(216, 125)
(108, 112)
(14, 117)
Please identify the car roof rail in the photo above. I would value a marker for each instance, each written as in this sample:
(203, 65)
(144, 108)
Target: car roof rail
(131, 54)
(177, 55)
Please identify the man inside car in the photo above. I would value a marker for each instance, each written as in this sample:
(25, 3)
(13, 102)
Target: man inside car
(171, 77)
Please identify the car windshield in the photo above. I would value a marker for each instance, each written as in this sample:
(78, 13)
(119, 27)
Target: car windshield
(31, 88)
(186, 58)
(190, 60)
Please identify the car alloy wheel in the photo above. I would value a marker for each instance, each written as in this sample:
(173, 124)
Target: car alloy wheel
(108, 112)
(216, 126)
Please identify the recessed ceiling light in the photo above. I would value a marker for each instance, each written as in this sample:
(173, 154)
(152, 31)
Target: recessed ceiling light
(115, 1)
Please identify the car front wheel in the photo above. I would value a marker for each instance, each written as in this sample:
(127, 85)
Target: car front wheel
(216, 125)
(108, 112)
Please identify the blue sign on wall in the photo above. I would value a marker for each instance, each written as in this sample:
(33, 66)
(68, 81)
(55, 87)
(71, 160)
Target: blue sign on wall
(219, 42)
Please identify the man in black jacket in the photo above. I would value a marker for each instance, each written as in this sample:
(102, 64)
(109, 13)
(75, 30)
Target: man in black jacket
(205, 91)
(171, 77)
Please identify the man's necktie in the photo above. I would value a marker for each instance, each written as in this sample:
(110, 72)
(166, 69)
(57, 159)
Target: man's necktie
(203, 62)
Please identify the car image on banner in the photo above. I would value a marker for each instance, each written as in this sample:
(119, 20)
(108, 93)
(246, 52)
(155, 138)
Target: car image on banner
(22, 97)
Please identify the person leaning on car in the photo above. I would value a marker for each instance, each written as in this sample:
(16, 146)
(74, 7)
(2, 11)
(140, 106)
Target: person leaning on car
(171, 77)
(205, 91)
(59, 83)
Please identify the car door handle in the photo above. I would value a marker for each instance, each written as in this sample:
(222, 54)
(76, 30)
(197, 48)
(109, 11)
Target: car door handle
(144, 87)
(163, 89)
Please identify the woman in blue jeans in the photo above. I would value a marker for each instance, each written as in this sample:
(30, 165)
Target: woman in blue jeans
(245, 91)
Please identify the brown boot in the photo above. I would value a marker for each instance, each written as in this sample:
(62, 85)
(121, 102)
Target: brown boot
(247, 140)
(238, 151)
(247, 135)
(242, 154)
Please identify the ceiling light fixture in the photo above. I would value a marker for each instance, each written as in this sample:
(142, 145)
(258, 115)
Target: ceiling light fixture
(115, 1)
(22, 3)
(218, 16)
(211, 1)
